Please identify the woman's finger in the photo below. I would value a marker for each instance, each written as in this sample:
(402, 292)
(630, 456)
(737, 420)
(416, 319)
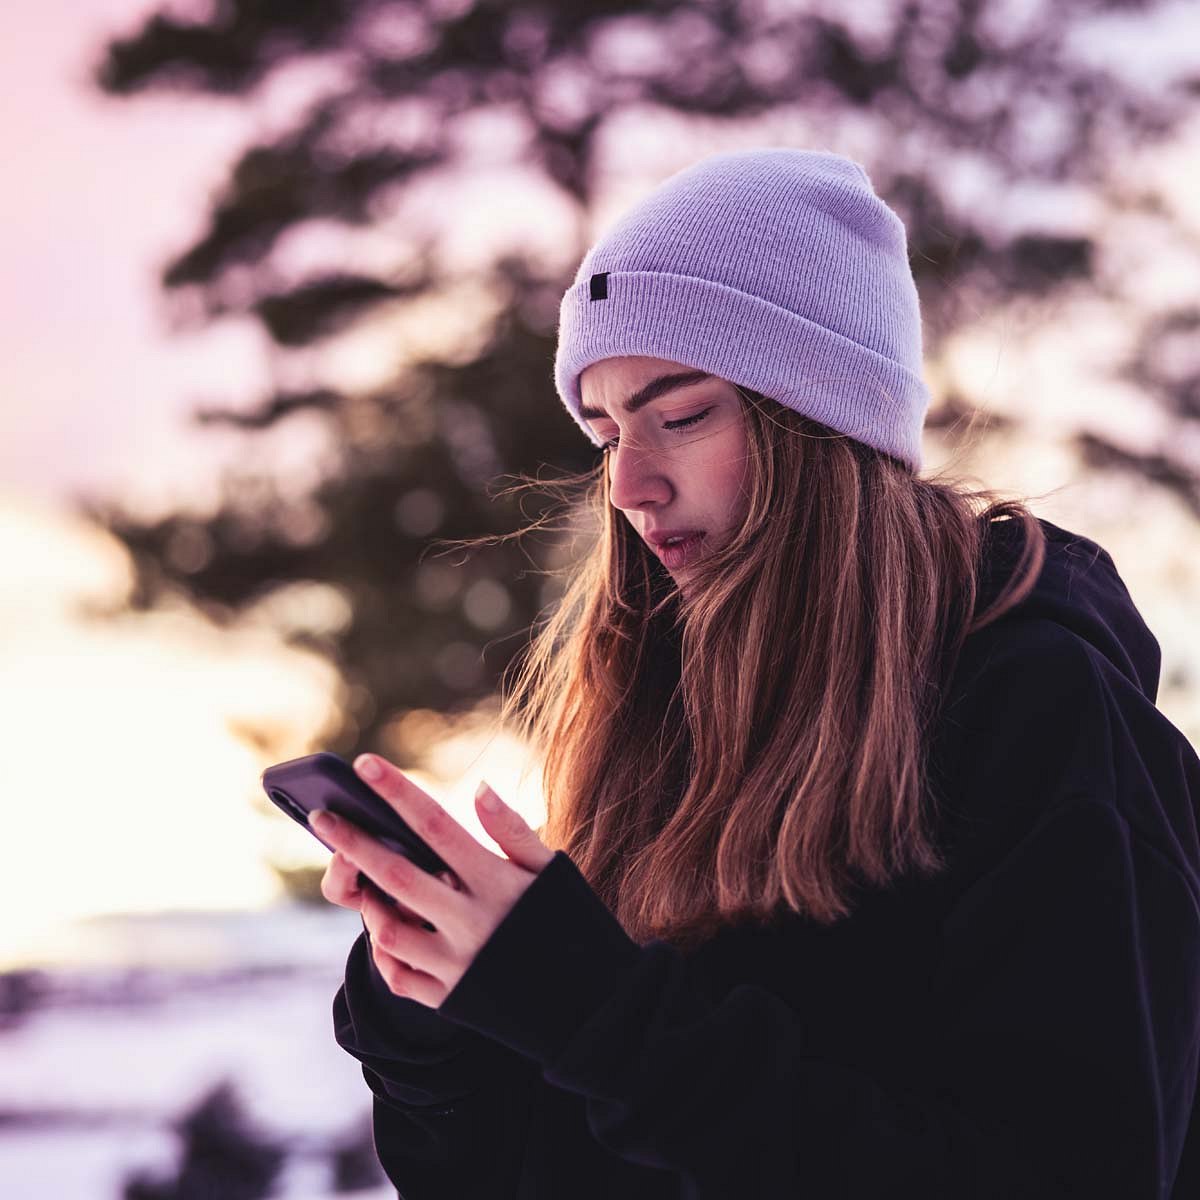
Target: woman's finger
(345, 885)
(402, 977)
(339, 884)
(397, 906)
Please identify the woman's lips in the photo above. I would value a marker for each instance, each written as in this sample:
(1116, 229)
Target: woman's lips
(677, 554)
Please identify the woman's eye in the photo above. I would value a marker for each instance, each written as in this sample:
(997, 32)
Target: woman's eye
(682, 423)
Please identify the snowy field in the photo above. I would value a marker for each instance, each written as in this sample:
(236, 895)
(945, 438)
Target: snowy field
(109, 1052)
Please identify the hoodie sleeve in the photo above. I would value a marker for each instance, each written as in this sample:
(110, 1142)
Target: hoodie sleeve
(449, 1103)
(1066, 1009)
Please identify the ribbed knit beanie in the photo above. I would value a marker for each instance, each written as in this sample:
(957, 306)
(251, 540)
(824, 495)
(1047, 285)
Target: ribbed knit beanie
(775, 268)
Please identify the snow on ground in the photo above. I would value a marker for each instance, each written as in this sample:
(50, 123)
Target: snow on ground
(121, 1045)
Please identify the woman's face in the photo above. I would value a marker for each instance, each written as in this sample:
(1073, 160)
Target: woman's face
(680, 462)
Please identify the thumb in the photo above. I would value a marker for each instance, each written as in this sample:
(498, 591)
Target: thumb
(510, 831)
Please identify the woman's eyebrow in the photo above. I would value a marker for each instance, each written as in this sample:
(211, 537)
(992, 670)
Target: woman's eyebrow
(652, 391)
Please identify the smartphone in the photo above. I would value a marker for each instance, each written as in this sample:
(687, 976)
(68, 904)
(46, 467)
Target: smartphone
(328, 781)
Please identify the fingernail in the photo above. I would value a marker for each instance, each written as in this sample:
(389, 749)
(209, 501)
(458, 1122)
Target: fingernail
(486, 797)
(322, 821)
(367, 766)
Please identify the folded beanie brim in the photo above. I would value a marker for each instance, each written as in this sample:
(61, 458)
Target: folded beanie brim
(745, 340)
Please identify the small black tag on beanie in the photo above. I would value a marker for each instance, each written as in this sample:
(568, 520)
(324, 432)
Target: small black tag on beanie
(599, 286)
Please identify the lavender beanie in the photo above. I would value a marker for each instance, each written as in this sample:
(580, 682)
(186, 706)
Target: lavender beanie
(777, 269)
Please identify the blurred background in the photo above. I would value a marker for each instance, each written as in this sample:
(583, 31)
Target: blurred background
(280, 292)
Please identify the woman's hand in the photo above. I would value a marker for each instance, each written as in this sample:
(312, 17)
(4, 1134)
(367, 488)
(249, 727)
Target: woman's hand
(421, 964)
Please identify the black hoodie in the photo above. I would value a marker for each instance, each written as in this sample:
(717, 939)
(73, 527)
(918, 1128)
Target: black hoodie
(1025, 1026)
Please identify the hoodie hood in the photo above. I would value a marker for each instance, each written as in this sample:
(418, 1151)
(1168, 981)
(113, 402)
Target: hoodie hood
(1079, 588)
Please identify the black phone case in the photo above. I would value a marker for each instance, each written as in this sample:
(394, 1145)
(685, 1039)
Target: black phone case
(328, 781)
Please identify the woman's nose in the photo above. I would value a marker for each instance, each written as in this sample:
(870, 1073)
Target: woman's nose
(636, 476)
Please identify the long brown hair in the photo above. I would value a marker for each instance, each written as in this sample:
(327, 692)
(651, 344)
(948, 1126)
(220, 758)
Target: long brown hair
(762, 743)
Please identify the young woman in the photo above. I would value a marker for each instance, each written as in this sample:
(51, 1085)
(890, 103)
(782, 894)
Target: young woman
(870, 868)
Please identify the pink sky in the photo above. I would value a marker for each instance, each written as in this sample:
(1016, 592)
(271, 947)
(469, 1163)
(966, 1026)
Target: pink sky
(98, 194)
(102, 193)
